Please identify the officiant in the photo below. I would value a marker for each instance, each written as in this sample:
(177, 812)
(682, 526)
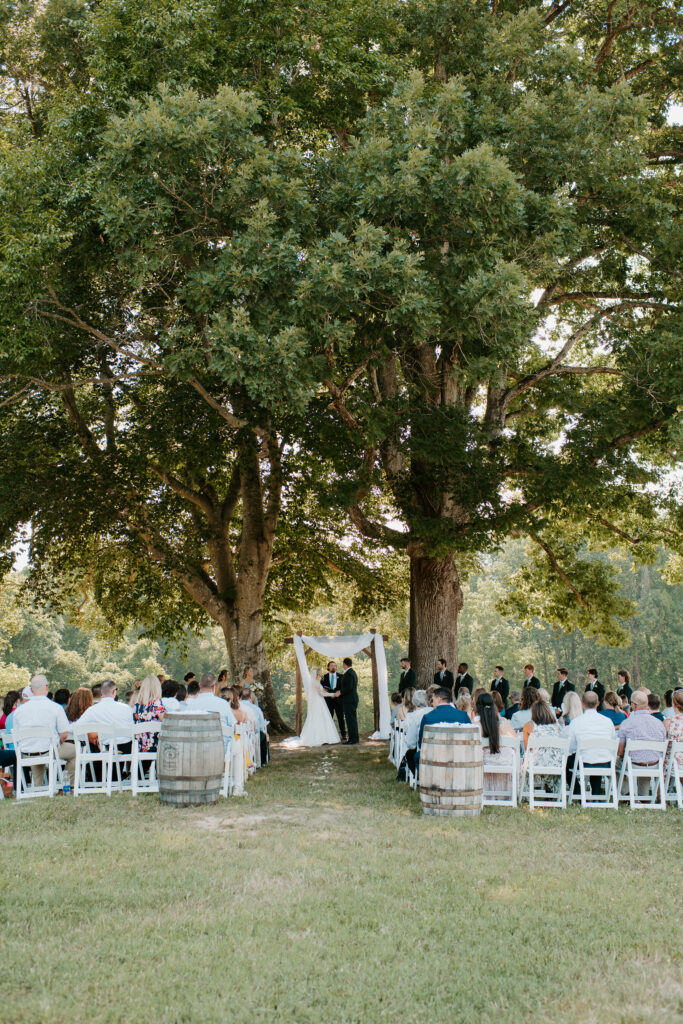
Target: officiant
(331, 683)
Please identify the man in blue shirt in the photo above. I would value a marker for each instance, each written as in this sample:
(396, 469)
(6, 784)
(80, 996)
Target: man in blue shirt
(442, 712)
(207, 701)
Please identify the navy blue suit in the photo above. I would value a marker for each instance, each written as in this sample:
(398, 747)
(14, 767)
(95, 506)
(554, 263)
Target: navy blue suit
(442, 713)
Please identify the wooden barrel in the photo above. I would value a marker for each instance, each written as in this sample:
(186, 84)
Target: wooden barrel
(451, 771)
(191, 759)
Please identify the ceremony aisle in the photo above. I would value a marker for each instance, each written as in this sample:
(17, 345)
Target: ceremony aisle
(325, 896)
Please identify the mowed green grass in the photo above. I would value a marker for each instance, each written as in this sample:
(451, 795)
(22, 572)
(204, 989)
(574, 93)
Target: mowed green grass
(325, 896)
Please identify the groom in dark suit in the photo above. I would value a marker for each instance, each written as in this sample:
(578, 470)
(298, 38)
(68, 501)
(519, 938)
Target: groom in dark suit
(331, 683)
(349, 701)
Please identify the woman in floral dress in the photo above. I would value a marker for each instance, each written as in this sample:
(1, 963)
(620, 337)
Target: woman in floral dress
(674, 727)
(545, 724)
(148, 708)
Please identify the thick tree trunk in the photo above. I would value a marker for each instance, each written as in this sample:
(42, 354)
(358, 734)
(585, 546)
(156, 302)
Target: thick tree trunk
(435, 603)
(250, 652)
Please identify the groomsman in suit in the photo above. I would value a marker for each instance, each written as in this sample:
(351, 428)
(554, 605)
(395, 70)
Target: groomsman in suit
(442, 676)
(529, 677)
(561, 688)
(594, 685)
(408, 676)
(500, 684)
(349, 700)
(331, 683)
(463, 678)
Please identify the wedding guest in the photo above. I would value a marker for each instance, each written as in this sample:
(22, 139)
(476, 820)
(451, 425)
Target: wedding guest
(612, 709)
(528, 698)
(478, 690)
(640, 725)
(561, 687)
(206, 699)
(463, 678)
(589, 725)
(492, 727)
(513, 707)
(443, 676)
(442, 711)
(571, 707)
(499, 684)
(169, 695)
(241, 716)
(41, 712)
(411, 727)
(545, 724)
(654, 702)
(407, 706)
(408, 680)
(464, 703)
(249, 701)
(396, 700)
(674, 725)
(668, 711)
(97, 692)
(624, 684)
(625, 705)
(529, 677)
(79, 701)
(149, 708)
(192, 691)
(10, 701)
(24, 696)
(429, 693)
(225, 692)
(188, 678)
(181, 695)
(498, 701)
(62, 696)
(110, 711)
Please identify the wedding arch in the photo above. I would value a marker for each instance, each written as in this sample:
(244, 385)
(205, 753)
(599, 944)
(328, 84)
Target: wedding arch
(338, 647)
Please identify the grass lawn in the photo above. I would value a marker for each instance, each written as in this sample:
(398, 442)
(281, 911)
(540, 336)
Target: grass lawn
(325, 896)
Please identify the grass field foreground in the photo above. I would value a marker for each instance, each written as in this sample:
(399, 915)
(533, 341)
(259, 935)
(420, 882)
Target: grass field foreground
(325, 896)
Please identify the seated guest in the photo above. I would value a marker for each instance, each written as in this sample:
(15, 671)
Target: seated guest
(498, 701)
(169, 695)
(442, 711)
(181, 695)
(192, 691)
(132, 695)
(407, 704)
(513, 706)
(149, 708)
(250, 702)
(674, 725)
(110, 711)
(238, 711)
(225, 692)
(571, 707)
(654, 702)
(640, 725)
(10, 701)
(464, 703)
(544, 724)
(79, 701)
(668, 711)
(206, 699)
(62, 697)
(624, 684)
(590, 725)
(411, 726)
(625, 705)
(189, 677)
(41, 712)
(24, 696)
(476, 694)
(528, 698)
(396, 700)
(96, 692)
(492, 728)
(612, 709)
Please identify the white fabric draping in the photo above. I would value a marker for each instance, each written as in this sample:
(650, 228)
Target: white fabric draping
(339, 647)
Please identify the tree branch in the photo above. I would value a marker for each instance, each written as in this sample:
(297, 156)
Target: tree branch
(180, 489)
(558, 569)
(378, 531)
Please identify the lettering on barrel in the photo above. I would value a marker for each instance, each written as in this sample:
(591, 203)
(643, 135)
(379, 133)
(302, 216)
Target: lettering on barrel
(169, 758)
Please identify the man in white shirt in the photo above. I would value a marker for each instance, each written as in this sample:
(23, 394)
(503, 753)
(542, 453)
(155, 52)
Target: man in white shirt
(411, 726)
(109, 711)
(206, 700)
(41, 712)
(594, 726)
(169, 689)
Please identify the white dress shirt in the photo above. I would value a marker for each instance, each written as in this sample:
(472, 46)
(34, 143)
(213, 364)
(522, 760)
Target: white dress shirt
(39, 713)
(411, 726)
(109, 712)
(207, 701)
(591, 725)
(519, 719)
(172, 704)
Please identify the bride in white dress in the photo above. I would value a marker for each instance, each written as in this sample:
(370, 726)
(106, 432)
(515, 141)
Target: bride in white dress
(319, 726)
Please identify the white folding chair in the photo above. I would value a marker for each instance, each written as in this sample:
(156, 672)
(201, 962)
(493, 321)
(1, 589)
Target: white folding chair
(121, 760)
(633, 771)
(392, 743)
(585, 752)
(227, 785)
(48, 758)
(141, 780)
(674, 773)
(93, 762)
(401, 746)
(500, 797)
(538, 745)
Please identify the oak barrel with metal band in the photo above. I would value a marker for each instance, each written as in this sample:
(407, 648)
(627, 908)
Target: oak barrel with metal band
(451, 777)
(191, 759)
